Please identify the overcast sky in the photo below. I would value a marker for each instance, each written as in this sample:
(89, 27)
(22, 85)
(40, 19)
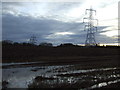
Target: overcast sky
(58, 22)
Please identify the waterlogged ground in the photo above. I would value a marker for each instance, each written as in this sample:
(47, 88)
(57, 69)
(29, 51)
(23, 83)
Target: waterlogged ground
(28, 75)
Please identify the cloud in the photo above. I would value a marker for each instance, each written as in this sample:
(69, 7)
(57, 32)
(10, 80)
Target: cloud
(50, 22)
(21, 28)
(18, 27)
(53, 10)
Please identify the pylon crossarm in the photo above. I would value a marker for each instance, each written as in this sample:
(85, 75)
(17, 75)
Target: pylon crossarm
(90, 10)
(84, 19)
(94, 11)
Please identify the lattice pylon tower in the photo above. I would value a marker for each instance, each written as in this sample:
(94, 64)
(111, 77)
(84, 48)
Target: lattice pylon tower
(33, 39)
(91, 29)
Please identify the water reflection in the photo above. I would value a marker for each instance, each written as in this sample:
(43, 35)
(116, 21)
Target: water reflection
(61, 75)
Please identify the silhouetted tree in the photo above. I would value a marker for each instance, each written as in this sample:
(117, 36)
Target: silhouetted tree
(7, 42)
(16, 43)
(66, 45)
(46, 44)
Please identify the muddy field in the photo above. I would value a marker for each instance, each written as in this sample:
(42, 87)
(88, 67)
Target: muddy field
(60, 67)
(41, 75)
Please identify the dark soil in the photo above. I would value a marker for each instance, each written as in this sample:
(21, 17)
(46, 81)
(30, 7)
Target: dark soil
(79, 80)
(11, 53)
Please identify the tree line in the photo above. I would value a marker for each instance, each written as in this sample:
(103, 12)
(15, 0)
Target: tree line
(9, 42)
(46, 44)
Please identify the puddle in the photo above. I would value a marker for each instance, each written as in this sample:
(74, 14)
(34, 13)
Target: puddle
(24, 76)
(21, 77)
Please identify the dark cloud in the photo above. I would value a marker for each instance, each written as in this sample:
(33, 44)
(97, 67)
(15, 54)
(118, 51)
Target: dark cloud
(20, 28)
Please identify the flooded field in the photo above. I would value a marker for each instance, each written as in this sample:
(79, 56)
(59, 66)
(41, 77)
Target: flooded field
(18, 75)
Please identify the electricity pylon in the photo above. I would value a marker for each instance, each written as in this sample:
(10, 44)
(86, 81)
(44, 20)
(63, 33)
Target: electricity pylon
(91, 29)
(33, 39)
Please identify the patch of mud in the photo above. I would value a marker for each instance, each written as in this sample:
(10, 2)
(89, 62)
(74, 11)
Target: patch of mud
(65, 76)
(88, 79)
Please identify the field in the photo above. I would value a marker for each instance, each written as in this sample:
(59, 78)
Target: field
(61, 67)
